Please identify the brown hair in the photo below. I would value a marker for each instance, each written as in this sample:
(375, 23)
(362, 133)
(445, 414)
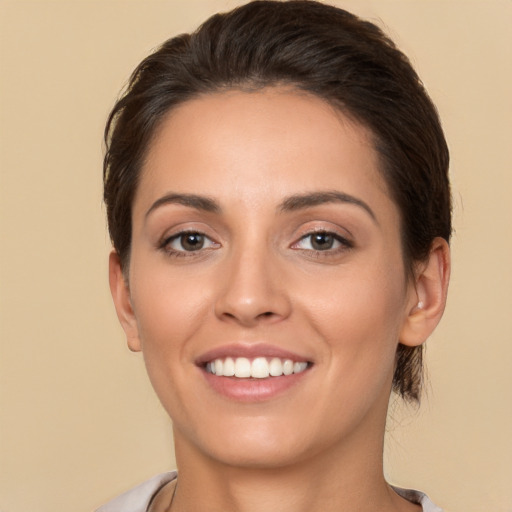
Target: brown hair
(316, 48)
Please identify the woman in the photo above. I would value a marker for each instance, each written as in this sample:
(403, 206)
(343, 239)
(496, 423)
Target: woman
(278, 202)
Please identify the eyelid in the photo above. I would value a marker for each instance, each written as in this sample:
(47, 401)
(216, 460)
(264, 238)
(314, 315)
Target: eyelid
(343, 240)
(166, 240)
(339, 238)
(167, 230)
(324, 226)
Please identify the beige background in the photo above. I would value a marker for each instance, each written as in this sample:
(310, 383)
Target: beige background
(79, 422)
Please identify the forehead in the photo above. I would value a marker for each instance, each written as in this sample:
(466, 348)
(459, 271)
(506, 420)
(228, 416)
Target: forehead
(260, 145)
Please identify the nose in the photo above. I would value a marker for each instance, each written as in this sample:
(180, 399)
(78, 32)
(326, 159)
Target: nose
(252, 290)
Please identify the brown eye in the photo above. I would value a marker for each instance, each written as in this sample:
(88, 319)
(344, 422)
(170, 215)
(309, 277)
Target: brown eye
(191, 241)
(187, 242)
(322, 241)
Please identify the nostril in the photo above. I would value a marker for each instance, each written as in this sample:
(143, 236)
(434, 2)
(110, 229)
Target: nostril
(267, 316)
(251, 307)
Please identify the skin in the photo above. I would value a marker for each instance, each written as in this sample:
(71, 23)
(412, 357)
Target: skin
(259, 279)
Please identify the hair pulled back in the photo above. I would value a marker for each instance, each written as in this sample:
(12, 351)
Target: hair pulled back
(316, 48)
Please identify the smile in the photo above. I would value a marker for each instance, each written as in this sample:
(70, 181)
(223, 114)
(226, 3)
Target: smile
(256, 368)
(253, 373)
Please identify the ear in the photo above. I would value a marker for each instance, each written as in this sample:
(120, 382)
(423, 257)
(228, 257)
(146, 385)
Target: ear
(122, 302)
(428, 297)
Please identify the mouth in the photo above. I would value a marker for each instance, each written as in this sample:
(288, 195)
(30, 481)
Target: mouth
(255, 368)
(252, 373)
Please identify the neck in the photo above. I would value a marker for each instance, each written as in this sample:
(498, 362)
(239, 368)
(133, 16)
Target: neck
(346, 477)
(297, 488)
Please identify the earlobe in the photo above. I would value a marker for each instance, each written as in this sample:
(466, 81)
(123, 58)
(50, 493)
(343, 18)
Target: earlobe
(429, 300)
(121, 297)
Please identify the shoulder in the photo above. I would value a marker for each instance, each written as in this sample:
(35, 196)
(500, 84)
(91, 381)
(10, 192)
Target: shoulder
(418, 498)
(138, 498)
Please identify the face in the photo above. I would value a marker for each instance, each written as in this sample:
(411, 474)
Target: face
(267, 288)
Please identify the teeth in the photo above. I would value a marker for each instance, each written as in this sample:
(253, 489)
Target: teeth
(242, 367)
(299, 367)
(229, 367)
(258, 368)
(275, 368)
(288, 367)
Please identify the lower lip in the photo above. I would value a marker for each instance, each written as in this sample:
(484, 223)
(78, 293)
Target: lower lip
(253, 390)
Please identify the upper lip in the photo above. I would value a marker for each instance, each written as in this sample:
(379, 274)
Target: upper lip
(249, 351)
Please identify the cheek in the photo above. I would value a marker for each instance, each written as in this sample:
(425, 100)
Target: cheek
(359, 313)
(169, 314)
(359, 325)
(169, 310)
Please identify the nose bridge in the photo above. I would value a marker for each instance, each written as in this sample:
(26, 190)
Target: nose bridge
(251, 290)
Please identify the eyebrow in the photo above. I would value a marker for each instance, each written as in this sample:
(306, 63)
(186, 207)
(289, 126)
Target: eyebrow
(292, 203)
(302, 201)
(204, 203)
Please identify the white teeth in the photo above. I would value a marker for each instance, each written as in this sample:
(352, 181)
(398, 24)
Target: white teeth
(229, 367)
(258, 368)
(275, 367)
(242, 367)
(288, 367)
(299, 367)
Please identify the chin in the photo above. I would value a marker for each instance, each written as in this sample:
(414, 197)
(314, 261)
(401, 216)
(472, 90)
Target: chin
(255, 443)
(255, 455)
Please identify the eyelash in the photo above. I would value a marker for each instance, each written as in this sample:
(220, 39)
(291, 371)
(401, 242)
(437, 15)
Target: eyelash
(343, 244)
(165, 245)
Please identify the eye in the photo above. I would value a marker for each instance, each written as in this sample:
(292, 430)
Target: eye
(322, 241)
(190, 241)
